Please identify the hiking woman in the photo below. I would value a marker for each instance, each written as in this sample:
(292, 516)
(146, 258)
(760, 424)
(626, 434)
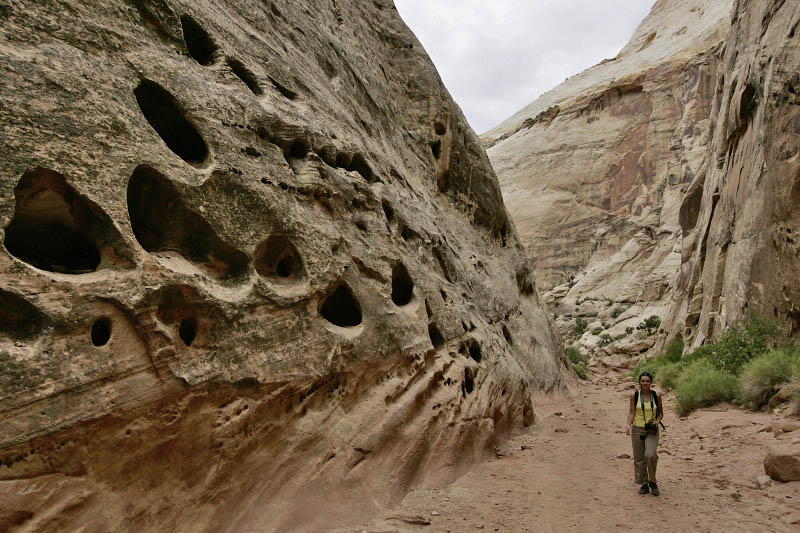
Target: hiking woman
(644, 415)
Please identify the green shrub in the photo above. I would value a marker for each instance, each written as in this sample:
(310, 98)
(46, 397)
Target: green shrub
(618, 311)
(763, 376)
(574, 355)
(555, 316)
(702, 384)
(628, 330)
(580, 326)
(597, 331)
(669, 374)
(620, 336)
(580, 369)
(745, 341)
(609, 302)
(650, 324)
(605, 340)
(674, 350)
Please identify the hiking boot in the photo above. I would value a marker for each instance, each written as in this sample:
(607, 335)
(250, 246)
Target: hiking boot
(653, 489)
(645, 489)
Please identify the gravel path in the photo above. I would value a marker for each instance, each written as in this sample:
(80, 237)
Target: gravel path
(571, 473)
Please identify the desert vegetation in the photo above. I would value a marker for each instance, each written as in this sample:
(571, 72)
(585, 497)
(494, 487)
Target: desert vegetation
(752, 364)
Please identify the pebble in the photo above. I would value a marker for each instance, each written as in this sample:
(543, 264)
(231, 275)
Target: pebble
(562, 430)
(622, 456)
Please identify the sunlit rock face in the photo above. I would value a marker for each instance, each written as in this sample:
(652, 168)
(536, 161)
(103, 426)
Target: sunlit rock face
(741, 221)
(256, 269)
(594, 172)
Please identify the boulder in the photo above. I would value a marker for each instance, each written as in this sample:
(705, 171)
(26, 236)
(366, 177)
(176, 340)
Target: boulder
(782, 463)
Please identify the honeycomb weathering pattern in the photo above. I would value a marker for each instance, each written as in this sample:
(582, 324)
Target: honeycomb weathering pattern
(241, 177)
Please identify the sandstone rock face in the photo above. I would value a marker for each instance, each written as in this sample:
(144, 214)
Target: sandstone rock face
(256, 269)
(740, 222)
(594, 171)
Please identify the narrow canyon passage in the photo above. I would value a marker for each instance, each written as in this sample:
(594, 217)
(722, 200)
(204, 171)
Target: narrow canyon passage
(565, 475)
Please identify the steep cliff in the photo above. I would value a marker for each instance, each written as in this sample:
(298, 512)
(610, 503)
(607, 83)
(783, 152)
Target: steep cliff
(256, 269)
(740, 220)
(595, 170)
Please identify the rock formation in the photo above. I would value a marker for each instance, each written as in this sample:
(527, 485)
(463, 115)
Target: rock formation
(595, 171)
(741, 220)
(256, 269)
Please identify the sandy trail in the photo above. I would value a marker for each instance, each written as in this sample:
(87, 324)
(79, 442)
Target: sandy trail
(563, 475)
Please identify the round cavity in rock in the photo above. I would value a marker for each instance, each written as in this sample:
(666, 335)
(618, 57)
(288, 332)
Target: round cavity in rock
(475, 351)
(341, 308)
(439, 128)
(101, 331)
(436, 336)
(53, 226)
(187, 330)
(402, 285)
(165, 115)
(387, 210)
(199, 43)
(507, 334)
(277, 257)
(244, 74)
(469, 380)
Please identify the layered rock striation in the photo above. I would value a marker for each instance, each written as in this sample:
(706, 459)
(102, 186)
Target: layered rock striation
(595, 171)
(740, 221)
(256, 269)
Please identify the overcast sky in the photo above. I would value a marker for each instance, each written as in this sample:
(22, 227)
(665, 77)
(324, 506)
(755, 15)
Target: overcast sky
(497, 56)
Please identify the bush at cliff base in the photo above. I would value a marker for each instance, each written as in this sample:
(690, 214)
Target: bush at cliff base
(701, 384)
(748, 364)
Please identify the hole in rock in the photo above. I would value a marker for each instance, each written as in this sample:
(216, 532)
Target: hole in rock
(101, 331)
(343, 159)
(402, 285)
(298, 150)
(469, 380)
(436, 149)
(475, 350)
(387, 210)
(359, 164)
(341, 308)
(161, 222)
(286, 92)
(436, 336)
(198, 41)
(277, 257)
(408, 233)
(439, 128)
(53, 226)
(244, 74)
(748, 102)
(165, 115)
(187, 330)
(507, 335)
(18, 317)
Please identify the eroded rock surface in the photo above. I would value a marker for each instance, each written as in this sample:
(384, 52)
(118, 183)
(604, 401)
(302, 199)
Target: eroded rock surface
(740, 222)
(594, 172)
(257, 272)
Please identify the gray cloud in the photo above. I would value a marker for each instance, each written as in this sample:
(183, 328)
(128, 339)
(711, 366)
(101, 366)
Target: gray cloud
(497, 56)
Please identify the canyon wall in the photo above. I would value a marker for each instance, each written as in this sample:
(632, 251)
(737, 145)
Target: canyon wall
(740, 222)
(256, 269)
(595, 171)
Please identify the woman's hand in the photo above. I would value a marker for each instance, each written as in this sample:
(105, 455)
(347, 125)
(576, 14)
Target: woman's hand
(628, 430)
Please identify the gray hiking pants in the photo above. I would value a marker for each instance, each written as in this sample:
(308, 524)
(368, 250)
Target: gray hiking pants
(645, 455)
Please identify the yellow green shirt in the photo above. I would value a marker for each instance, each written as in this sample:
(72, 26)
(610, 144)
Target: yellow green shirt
(649, 412)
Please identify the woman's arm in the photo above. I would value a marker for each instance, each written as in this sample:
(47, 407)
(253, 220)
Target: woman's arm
(660, 409)
(631, 411)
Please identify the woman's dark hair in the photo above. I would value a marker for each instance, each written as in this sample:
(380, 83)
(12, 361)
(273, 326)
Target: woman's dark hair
(648, 374)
